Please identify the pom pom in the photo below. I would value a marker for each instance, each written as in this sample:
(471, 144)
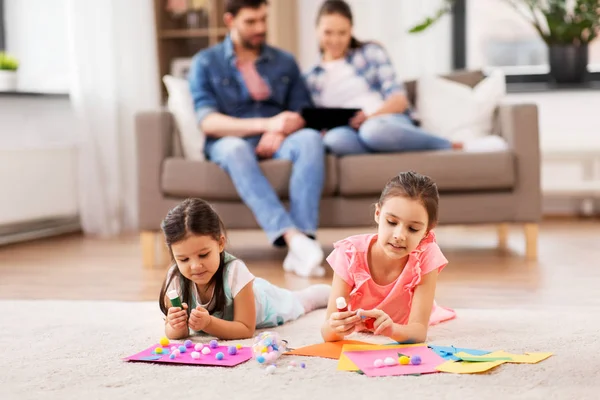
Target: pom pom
(415, 360)
(172, 356)
(260, 359)
(164, 341)
(293, 363)
(232, 350)
(195, 355)
(404, 360)
(270, 369)
(378, 363)
(182, 349)
(158, 350)
(173, 348)
(188, 343)
(213, 344)
(238, 346)
(269, 346)
(198, 347)
(219, 356)
(389, 361)
(290, 367)
(302, 365)
(205, 351)
(176, 352)
(270, 349)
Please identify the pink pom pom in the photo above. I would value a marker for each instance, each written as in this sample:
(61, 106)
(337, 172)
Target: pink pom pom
(198, 347)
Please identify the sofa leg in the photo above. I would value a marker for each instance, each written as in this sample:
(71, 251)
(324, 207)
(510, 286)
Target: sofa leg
(503, 237)
(531, 241)
(148, 242)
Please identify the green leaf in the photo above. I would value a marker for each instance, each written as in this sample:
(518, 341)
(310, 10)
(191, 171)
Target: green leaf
(360, 372)
(8, 62)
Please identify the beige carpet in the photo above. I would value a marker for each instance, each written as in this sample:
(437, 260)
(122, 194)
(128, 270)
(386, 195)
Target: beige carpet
(73, 350)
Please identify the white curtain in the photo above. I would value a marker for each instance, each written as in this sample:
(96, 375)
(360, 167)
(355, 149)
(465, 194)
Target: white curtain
(113, 71)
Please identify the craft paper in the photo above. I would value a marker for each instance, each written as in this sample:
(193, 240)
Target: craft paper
(488, 357)
(448, 352)
(364, 361)
(465, 367)
(244, 354)
(345, 364)
(527, 358)
(325, 350)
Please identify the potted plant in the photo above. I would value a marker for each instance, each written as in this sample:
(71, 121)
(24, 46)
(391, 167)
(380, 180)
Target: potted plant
(8, 72)
(566, 26)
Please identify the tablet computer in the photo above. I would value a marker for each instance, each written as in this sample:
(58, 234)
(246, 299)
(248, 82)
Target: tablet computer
(327, 118)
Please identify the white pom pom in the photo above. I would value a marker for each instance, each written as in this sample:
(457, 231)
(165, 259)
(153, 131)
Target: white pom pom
(198, 347)
(195, 355)
(270, 369)
(205, 351)
(378, 363)
(389, 361)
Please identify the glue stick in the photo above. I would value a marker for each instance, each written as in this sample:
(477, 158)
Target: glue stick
(369, 322)
(341, 305)
(175, 300)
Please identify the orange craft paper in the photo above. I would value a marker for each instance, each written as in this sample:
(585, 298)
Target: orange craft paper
(325, 350)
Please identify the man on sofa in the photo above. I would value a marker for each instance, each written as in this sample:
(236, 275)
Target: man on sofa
(247, 96)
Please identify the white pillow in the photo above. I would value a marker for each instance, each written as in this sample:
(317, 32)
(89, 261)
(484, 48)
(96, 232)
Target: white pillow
(458, 112)
(181, 105)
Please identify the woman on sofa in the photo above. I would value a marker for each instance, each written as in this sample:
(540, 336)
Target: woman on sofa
(354, 74)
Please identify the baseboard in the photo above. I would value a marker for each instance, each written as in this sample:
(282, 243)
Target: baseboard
(26, 231)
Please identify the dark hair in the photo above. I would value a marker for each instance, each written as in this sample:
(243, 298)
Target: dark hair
(192, 217)
(342, 8)
(234, 6)
(416, 187)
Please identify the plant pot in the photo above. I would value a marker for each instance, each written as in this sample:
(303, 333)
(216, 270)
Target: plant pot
(568, 63)
(8, 81)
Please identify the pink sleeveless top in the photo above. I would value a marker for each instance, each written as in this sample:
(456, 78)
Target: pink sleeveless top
(349, 261)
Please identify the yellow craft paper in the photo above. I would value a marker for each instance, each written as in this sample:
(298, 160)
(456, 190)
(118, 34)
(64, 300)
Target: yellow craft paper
(464, 367)
(345, 364)
(527, 358)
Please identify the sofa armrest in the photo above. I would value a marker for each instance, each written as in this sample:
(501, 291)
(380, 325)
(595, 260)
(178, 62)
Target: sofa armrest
(154, 142)
(518, 124)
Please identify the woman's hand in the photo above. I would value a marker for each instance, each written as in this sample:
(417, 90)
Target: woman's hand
(177, 317)
(358, 119)
(199, 319)
(344, 323)
(383, 324)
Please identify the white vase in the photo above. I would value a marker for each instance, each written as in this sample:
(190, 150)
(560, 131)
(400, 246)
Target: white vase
(8, 81)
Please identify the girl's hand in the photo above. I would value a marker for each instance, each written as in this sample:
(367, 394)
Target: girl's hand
(177, 317)
(344, 323)
(358, 119)
(199, 319)
(383, 323)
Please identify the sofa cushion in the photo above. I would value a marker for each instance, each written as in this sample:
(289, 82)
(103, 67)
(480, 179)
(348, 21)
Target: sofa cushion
(453, 171)
(185, 178)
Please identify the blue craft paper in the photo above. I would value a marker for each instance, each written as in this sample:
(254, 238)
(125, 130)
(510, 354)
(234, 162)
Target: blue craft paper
(447, 352)
(151, 358)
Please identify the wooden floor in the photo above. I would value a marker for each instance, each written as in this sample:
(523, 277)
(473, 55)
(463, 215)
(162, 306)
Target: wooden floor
(478, 276)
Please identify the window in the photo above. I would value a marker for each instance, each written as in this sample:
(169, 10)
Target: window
(2, 45)
(495, 35)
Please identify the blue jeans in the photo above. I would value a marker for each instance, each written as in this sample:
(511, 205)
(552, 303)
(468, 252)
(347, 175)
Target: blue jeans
(305, 149)
(386, 133)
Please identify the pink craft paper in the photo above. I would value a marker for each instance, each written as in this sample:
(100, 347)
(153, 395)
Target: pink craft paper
(364, 360)
(244, 354)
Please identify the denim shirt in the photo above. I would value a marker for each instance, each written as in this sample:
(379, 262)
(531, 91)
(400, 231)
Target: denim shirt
(217, 85)
(371, 62)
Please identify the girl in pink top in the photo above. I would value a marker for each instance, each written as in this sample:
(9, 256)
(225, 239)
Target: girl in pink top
(391, 276)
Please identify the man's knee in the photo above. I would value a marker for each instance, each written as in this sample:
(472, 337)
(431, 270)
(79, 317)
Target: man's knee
(309, 139)
(377, 132)
(231, 149)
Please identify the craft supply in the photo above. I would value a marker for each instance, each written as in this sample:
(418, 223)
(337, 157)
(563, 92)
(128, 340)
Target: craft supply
(265, 341)
(219, 356)
(345, 364)
(290, 367)
(293, 363)
(164, 341)
(270, 369)
(302, 365)
(205, 351)
(238, 346)
(174, 297)
(176, 352)
(173, 348)
(213, 344)
(378, 363)
(232, 350)
(158, 350)
(331, 350)
(404, 360)
(182, 349)
(389, 361)
(198, 347)
(191, 358)
(195, 355)
(368, 321)
(188, 343)
(415, 360)
(172, 356)
(341, 304)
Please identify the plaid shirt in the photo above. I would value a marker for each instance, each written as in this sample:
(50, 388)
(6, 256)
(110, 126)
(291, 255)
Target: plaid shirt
(371, 62)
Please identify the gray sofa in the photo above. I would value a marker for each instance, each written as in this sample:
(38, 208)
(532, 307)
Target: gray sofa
(475, 188)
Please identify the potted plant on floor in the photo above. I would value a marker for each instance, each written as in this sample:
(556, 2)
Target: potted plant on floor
(566, 26)
(8, 72)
